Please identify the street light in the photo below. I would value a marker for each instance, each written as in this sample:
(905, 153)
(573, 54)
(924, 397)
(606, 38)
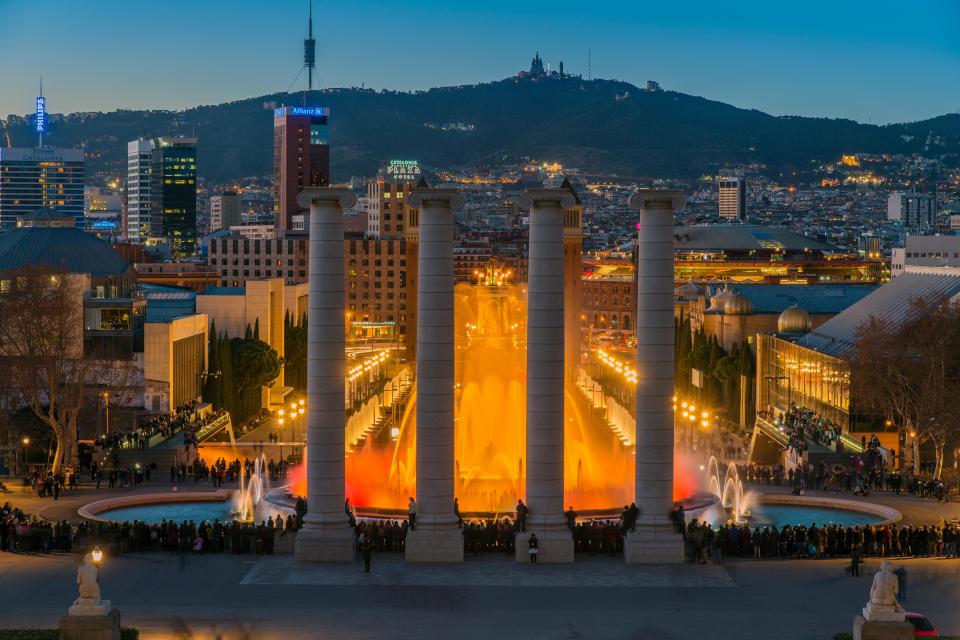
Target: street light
(97, 555)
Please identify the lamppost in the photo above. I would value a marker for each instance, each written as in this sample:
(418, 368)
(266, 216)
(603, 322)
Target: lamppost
(26, 451)
(280, 426)
(106, 402)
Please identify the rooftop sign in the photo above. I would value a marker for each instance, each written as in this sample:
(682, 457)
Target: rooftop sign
(301, 111)
(41, 114)
(402, 171)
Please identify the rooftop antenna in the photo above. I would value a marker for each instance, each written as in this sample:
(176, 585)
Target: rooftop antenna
(589, 65)
(309, 52)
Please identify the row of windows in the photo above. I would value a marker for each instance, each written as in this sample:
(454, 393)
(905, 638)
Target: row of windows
(932, 254)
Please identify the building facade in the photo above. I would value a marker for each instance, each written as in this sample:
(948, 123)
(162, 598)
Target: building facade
(139, 169)
(42, 178)
(375, 275)
(224, 211)
(162, 192)
(926, 251)
(917, 211)
(387, 198)
(733, 198)
(301, 159)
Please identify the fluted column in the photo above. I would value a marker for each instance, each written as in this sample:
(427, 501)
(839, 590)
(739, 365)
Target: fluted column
(653, 539)
(436, 538)
(545, 376)
(326, 535)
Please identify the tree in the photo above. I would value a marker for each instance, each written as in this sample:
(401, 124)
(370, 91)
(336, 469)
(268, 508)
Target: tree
(911, 373)
(295, 353)
(254, 365)
(43, 362)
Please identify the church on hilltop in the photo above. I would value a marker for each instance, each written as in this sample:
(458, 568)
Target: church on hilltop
(538, 70)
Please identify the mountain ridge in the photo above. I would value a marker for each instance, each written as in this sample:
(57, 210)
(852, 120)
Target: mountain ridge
(601, 126)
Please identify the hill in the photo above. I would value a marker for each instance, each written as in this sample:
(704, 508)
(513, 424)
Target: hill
(598, 125)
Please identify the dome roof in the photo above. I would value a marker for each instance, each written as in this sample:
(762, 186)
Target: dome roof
(66, 248)
(794, 320)
(737, 305)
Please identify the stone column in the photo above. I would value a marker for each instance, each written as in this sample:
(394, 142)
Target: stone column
(436, 538)
(545, 377)
(653, 539)
(326, 535)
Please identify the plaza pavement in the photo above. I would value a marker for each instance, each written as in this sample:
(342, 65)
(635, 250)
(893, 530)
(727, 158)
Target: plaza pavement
(490, 597)
(270, 597)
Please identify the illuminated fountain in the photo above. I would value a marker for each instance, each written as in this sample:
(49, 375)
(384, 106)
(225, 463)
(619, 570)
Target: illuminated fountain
(247, 498)
(730, 490)
(490, 415)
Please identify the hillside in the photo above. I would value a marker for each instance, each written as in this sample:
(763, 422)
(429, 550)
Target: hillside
(598, 125)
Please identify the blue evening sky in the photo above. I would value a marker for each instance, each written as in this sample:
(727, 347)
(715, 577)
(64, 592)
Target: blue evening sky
(879, 61)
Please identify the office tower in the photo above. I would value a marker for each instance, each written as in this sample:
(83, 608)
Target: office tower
(387, 196)
(173, 205)
(162, 192)
(41, 178)
(917, 211)
(224, 210)
(733, 198)
(139, 166)
(301, 159)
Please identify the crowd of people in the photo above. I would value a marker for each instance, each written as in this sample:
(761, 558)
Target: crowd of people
(704, 542)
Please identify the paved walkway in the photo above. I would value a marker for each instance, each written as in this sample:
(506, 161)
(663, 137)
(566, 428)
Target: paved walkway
(491, 572)
(266, 598)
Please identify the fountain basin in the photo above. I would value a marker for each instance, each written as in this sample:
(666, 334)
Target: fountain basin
(156, 507)
(780, 509)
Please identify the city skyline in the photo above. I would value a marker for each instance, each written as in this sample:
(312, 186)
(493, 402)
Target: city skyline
(863, 61)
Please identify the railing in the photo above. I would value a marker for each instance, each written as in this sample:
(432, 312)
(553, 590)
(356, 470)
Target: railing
(773, 431)
(213, 426)
(850, 443)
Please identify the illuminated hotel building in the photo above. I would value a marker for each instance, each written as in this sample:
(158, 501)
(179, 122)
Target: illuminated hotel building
(301, 159)
(733, 199)
(387, 197)
(42, 178)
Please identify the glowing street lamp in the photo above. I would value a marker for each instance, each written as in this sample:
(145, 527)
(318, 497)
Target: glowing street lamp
(97, 555)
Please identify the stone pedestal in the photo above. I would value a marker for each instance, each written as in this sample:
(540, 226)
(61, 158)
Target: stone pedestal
(553, 545)
(429, 544)
(864, 629)
(91, 627)
(653, 544)
(317, 543)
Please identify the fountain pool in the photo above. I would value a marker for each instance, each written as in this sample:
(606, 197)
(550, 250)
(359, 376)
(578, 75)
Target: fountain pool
(178, 512)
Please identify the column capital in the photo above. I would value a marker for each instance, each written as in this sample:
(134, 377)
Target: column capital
(331, 196)
(562, 198)
(428, 196)
(657, 199)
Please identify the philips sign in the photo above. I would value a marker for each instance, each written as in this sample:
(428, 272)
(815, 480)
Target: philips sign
(41, 114)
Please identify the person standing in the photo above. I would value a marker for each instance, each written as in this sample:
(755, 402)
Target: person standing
(366, 550)
(412, 513)
(901, 574)
(855, 559)
(533, 548)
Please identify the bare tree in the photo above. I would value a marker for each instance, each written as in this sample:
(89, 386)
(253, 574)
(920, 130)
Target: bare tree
(42, 361)
(911, 372)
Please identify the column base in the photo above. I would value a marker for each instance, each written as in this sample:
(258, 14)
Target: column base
(653, 544)
(434, 544)
(554, 546)
(316, 543)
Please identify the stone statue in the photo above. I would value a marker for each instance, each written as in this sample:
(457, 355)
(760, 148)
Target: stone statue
(883, 605)
(89, 602)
